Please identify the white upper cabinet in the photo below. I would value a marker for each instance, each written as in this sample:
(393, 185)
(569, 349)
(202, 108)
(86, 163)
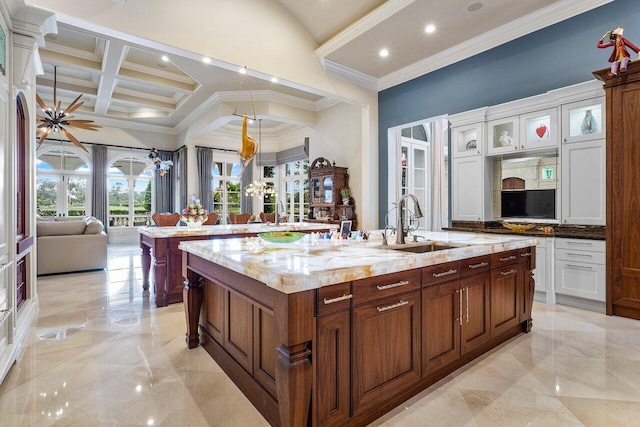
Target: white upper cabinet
(539, 129)
(468, 140)
(504, 136)
(583, 120)
(530, 131)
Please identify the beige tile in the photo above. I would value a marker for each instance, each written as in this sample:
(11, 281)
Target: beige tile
(102, 354)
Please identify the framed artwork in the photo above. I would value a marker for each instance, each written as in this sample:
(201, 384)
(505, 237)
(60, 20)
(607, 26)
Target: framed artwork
(345, 229)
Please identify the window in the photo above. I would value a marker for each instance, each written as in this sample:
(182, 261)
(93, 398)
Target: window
(130, 192)
(227, 188)
(295, 189)
(268, 202)
(62, 182)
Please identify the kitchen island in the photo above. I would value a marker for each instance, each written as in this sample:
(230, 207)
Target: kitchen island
(339, 332)
(160, 245)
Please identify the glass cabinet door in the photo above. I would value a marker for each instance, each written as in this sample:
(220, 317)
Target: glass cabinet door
(539, 129)
(327, 184)
(468, 140)
(503, 136)
(583, 121)
(316, 195)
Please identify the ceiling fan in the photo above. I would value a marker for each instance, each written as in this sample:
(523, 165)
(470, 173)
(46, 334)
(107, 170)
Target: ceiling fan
(56, 119)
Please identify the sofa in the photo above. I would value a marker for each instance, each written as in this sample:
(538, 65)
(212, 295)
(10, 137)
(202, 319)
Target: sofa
(66, 245)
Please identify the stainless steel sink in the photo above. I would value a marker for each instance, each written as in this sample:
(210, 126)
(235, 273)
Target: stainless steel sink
(421, 248)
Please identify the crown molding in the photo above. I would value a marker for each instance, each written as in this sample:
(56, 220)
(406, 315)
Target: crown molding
(350, 75)
(520, 27)
(361, 26)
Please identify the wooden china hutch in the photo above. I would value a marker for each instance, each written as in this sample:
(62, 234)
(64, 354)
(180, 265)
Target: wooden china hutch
(325, 203)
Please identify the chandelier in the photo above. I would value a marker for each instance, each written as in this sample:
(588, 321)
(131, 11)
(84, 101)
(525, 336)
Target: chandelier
(259, 188)
(57, 119)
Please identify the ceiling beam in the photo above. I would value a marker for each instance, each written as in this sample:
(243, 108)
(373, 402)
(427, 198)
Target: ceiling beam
(115, 53)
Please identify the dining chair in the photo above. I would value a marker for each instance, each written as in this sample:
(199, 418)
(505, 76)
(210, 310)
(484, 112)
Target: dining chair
(212, 219)
(242, 218)
(165, 219)
(265, 217)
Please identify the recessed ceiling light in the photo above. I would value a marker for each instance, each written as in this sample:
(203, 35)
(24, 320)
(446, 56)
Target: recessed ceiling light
(474, 7)
(430, 29)
(242, 70)
(384, 53)
(274, 80)
(206, 60)
(165, 58)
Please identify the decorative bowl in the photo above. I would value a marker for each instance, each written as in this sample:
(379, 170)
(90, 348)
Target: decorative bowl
(281, 236)
(518, 228)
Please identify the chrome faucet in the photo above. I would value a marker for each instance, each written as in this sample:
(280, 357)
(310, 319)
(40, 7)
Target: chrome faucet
(400, 233)
(279, 208)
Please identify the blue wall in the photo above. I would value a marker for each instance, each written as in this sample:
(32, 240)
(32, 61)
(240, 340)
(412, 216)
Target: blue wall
(557, 56)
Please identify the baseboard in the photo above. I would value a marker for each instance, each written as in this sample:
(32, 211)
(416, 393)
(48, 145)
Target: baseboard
(578, 302)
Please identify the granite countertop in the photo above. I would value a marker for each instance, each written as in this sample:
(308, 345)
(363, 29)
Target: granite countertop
(312, 263)
(594, 232)
(212, 230)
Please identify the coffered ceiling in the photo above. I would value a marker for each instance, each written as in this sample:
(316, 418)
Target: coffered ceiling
(128, 84)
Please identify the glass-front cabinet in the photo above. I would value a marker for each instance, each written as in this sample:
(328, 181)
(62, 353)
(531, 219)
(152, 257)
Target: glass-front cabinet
(583, 121)
(468, 140)
(531, 131)
(325, 202)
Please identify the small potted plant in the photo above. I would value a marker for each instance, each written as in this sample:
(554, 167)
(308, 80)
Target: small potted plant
(345, 193)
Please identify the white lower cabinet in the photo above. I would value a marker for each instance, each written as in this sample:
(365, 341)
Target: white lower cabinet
(580, 268)
(540, 273)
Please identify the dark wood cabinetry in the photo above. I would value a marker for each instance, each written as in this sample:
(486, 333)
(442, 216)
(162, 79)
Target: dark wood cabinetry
(623, 191)
(325, 203)
(455, 316)
(355, 350)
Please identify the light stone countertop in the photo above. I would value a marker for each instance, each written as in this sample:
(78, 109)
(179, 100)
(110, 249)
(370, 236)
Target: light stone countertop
(212, 230)
(311, 263)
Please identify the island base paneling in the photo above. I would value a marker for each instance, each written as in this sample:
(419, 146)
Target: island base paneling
(346, 354)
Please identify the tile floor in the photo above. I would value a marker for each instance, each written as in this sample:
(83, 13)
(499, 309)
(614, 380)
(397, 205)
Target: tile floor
(102, 354)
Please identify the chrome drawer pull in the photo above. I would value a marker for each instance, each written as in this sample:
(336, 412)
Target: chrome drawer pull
(446, 273)
(508, 273)
(393, 285)
(580, 243)
(482, 264)
(459, 319)
(467, 289)
(586, 267)
(338, 299)
(509, 258)
(582, 255)
(527, 254)
(392, 306)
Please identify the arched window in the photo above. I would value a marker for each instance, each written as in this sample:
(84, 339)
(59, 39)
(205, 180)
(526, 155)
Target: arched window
(63, 181)
(130, 191)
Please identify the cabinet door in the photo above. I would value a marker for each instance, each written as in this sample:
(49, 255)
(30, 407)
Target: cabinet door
(333, 374)
(476, 325)
(441, 308)
(506, 288)
(539, 129)
(468, 189)
(583, 183)
(468, 140)
(541, 267)
(503, 136)
(583, 120)
(385, 349)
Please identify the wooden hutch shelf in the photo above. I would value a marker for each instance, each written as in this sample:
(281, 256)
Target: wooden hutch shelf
(325, 204)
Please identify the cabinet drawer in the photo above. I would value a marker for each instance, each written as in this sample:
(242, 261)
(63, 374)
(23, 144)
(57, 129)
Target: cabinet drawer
(579, 256)
(382, 286)
(502, 259)
(581, 280)
(581, 244)
(334, 298)
(475, 265)
(440, 273)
